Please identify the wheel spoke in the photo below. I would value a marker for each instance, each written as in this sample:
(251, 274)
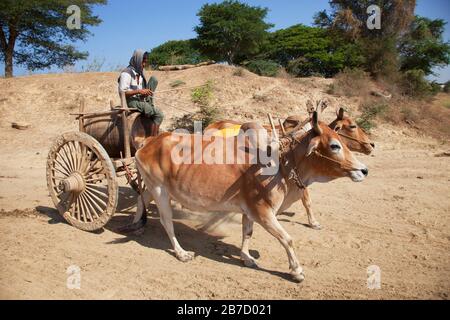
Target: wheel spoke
(77, 209)
(68, 157)
(83, 155)
(75, 146)
(64, 174)
(87, 207)
(96, 198)
(91, 188)
(62, 167)
(92, 201)
(66, 165)
(82, 209)
(79, 155)
(96, 171)
(92, 165)
(93, 181)
(74, 153)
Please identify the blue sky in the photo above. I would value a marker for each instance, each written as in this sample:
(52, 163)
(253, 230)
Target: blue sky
(132, 24)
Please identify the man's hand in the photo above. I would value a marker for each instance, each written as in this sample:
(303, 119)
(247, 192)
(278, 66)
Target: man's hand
(146, 92)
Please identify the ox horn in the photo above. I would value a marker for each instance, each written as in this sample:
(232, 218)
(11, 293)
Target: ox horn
(309, 106)
(340, 114)
(321, 106)
(315, 123)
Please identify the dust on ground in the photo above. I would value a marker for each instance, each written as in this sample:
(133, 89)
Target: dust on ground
(398, 219)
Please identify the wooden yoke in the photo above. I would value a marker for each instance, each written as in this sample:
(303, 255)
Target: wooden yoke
(126, 130)
(81, 119)
(283, 130)
(274, 130)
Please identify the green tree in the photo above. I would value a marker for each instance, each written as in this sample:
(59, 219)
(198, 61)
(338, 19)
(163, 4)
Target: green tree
(306, 51)
(348, 19)
(34, 33)
(231, 31)
(422, 47)
(175, 52)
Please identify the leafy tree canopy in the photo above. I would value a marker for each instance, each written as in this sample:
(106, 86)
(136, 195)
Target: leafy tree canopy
(34, 33)
(310, 50)
(348, 18)
(175, 52)
(422, 47)
(231, 30)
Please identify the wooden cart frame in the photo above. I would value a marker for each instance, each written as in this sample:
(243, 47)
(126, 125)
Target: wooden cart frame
(81, 175)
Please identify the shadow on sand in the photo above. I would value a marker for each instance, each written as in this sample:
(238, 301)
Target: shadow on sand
(154, 236)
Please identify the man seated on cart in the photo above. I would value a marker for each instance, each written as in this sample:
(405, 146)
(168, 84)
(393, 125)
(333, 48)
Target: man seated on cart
(139, 92)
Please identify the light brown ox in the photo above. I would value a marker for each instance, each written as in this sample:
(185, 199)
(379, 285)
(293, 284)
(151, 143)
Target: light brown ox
(318, 156)
(351, 135)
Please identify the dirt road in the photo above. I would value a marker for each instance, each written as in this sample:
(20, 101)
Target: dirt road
(398, 219)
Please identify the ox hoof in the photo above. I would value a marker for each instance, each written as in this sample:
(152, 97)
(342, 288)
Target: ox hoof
(250, 263)
(185, 256)
(315, 226)
(298, 276)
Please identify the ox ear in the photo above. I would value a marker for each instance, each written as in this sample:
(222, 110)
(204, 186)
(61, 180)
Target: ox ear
(313, 145)
(340, 114)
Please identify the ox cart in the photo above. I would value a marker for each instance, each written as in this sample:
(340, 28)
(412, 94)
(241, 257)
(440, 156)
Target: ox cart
(83, 167)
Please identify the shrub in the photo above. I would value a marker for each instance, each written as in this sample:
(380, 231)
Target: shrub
(415, 84)
(260, 97)
(350, 83)
(370, 111)
(184, 122)
(208, 115)
(175, 52)
(203, 95)
(435, 88)
(238, 72)
(95, 65)
(447, 87)
(266, 68)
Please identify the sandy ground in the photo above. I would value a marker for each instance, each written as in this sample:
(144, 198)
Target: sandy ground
(398, 219)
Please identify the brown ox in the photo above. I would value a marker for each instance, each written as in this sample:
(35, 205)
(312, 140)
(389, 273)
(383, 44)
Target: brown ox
(317, 156)
(351, 135)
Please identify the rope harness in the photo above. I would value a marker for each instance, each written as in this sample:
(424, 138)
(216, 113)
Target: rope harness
(351, 138)
(287, 145)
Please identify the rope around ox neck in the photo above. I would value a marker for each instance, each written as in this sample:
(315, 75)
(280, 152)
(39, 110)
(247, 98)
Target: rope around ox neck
(342, 164)
(287, 145)
(351, 138)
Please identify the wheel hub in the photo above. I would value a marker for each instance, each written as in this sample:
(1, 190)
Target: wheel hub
(73, 183)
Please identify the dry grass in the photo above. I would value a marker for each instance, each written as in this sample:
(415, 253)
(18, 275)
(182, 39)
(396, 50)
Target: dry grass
(351, 83)
(430, 116)
(238, 72)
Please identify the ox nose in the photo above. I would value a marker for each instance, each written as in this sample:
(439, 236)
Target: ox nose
(373, 145)
(365, 172)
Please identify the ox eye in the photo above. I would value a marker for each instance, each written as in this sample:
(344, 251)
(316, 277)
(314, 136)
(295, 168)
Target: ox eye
(335, 147)
(353, 127)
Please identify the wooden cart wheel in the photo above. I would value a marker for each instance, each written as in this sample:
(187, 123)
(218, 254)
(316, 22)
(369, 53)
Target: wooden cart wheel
(82, 181)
